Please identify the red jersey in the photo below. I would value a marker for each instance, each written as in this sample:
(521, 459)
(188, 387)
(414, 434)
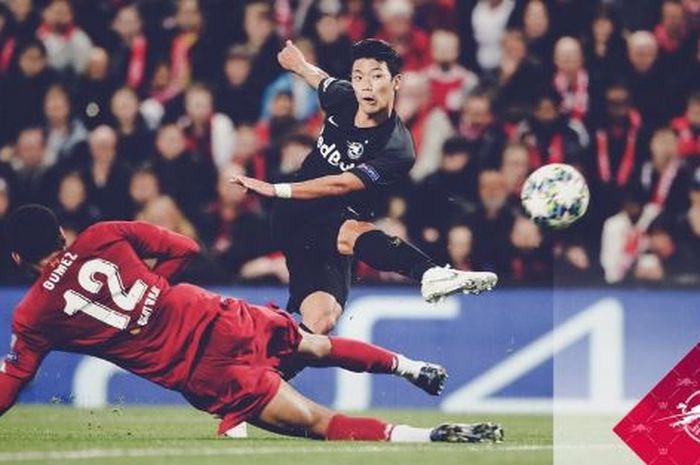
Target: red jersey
(98, 297)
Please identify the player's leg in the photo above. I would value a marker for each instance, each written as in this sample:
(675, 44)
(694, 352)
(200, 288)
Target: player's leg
(353, 355)
(386, 253)
(319, 312)
(292, 414)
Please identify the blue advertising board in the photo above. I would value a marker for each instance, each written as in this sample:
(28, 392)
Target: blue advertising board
(510, 350)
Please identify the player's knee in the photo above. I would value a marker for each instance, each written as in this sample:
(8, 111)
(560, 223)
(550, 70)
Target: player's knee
(348, 234)
(315, 346)
(320, 312)
(323, 322)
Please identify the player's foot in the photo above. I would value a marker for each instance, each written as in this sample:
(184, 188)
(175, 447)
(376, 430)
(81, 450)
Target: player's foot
(477, 432)
(440, 282)
(431, 378)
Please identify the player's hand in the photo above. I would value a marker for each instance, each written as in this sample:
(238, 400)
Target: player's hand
(291, 58)
(255, 185)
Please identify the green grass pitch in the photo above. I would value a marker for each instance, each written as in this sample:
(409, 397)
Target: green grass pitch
(32, 435)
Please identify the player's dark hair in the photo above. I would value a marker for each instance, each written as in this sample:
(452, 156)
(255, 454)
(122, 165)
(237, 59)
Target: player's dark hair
(34, 233)
(378, 50)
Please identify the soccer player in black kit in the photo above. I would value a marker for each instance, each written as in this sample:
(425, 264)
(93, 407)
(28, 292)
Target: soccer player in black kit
(320, 219)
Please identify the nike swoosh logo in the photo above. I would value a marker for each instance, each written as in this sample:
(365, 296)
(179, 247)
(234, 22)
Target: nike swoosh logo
(330, 120)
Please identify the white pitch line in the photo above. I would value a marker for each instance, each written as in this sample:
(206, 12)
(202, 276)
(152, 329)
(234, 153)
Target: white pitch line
(268, 450)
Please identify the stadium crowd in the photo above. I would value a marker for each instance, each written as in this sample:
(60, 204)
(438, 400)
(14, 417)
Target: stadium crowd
(116, 109)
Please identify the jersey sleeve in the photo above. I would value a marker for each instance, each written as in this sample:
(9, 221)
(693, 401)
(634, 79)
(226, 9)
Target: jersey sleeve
(27, 350)
(393, 164)
(173, 251)
(335, 93)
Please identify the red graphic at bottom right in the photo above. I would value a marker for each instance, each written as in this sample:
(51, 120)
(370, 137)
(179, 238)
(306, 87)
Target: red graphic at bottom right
(664, 427)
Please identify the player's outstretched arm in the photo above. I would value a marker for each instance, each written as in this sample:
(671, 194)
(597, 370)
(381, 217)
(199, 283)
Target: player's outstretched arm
(325, 186)
(291, 59)
(9, 390)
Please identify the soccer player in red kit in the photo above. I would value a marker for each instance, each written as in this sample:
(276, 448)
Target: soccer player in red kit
(99, 297)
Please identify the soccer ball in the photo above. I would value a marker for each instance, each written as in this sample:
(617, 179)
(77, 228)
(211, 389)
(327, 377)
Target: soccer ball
(555, 195)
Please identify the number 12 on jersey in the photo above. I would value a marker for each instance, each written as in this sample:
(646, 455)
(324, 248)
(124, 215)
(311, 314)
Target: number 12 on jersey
(125, 300)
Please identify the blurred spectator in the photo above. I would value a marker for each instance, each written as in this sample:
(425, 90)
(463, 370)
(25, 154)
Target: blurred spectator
(479, 127)
(63, 131)
(491, 224)
(571, 79)
(687, 128)
(604, 50)
(662, 178)
(661, 260)
(459, 247)
(449, 193)
(174, 163)
(68, 46)
(8, 41)
(249, 153)
(22, 93)
(106, 177)
(189, 27)
(429, 127)
(687, 233)
(293, 152)
(234, 231)
(645, 77)
(25, 18)
(209, 135)
(449, 82)
(34, 178)
(143, 188)
(332, 46)
(671, 30)
(489, 19)
(94, 90)
(132, 53)
(305, 98)
(73, 208)
(236, 95)
(134, 138)
(515, 167)
(358, 19)
(262, 42)
(517, 81)
(531, 261)
(163, 212)
(397, 28)
(622, 237)
(281, 122)
(691, 14)
(619, 149)
(538, 34)
(9, 274)
(550, 137)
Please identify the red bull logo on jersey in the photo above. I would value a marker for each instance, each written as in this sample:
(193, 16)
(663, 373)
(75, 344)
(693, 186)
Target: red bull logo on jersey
(332, 155)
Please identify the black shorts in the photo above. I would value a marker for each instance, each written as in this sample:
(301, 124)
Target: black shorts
(307, 234)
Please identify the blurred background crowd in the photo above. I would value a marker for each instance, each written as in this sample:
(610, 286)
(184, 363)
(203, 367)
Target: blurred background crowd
(116, 109)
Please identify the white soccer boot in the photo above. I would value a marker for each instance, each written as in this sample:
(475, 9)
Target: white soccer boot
(439, 282)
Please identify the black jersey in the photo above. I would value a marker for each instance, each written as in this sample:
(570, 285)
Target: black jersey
(379, 155)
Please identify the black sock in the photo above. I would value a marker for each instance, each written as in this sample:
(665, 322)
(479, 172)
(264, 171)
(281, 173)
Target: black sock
(387, 253)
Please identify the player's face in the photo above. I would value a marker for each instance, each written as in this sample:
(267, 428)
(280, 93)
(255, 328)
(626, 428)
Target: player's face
(374, 87)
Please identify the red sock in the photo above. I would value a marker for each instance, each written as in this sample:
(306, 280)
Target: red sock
(359, 356)
(342, 428)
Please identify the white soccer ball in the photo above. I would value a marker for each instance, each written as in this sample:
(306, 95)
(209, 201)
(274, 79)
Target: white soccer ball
(555, 195)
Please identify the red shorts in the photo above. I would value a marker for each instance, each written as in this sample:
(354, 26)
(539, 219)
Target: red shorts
(236, 374)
